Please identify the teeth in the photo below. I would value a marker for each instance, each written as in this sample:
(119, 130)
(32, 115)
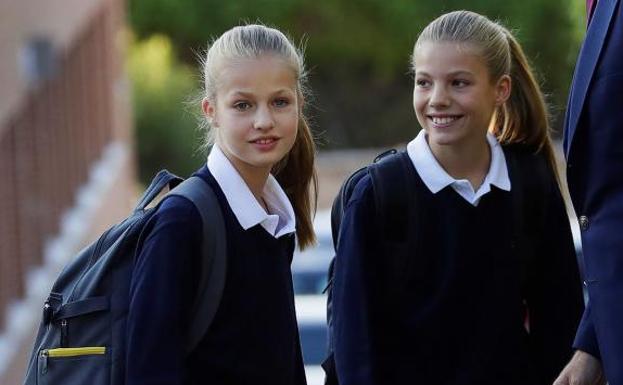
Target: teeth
(264, 141)
(443, 120)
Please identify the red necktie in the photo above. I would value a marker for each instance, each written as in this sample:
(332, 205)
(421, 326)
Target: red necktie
(590, 8)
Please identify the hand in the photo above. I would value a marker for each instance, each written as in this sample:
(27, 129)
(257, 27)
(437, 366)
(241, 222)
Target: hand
(583, 369)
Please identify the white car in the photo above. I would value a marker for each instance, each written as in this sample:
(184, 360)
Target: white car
(311, 316)
(310, 267)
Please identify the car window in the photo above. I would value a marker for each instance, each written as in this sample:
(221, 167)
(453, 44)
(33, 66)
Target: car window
(309, 282)
(310, 268)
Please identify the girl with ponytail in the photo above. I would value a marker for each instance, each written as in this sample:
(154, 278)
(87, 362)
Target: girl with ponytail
(261, 169)
(484, 288)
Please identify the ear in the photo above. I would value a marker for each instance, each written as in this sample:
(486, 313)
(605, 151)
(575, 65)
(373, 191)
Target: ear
(503, 90)
(209, 110)
(300, 99)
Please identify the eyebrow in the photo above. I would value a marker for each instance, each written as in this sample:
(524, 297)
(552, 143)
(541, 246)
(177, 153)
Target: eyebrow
(461, 72)
(244, 93)
(453, 73)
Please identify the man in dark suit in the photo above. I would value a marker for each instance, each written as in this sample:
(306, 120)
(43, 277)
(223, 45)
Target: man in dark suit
(594, 149)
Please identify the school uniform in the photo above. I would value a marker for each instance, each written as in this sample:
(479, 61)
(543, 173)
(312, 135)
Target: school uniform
(253, 338)
(459, 315)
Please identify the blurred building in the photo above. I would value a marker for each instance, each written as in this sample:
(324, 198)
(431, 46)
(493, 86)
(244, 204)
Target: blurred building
(66, 164)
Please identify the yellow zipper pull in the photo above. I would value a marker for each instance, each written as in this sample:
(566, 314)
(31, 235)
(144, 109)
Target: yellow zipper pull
(75, 352)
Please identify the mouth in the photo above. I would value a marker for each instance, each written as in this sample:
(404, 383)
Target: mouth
(444, 120)
(264, 141)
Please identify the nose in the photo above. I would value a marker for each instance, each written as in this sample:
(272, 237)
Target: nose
(264, 119)
(439, 97)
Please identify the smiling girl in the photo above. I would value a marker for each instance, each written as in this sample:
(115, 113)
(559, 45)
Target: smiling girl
(483, 293)
(261, 168)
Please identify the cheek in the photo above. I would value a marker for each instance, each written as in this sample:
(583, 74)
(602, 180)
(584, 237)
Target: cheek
(291, 122)
(230, 132)
(419, 105)
(480, 107)
(419, 101)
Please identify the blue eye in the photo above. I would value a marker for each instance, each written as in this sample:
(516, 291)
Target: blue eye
(242, 106)
(282, 102)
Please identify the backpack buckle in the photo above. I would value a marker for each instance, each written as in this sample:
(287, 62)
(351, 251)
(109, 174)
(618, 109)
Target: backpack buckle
(384, 154)
(47, 312)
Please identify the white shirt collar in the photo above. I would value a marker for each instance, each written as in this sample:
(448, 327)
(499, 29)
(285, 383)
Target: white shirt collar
(436, 178)
(246, 208)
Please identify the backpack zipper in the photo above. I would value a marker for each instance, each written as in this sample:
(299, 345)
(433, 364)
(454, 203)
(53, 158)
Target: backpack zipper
(64, 332)
(75, 352)
(69, 352)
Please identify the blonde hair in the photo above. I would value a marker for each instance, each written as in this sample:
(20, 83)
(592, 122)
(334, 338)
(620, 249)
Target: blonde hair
(295, 172)
(523, 118)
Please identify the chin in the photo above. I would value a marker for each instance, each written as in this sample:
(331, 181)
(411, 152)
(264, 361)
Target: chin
(267, 161)
(442, 139)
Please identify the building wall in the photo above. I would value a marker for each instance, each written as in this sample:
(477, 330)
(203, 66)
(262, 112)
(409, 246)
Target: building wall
(60, 21)
(66, 151)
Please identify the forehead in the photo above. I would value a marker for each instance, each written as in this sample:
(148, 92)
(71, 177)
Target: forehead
(261, 74)
(448, 57)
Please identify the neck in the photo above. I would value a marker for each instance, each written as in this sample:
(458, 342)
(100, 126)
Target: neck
(253, 176)
(255, 180)
(469, 161)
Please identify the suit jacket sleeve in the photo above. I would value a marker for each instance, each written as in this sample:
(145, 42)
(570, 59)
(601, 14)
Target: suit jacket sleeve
(585, 339)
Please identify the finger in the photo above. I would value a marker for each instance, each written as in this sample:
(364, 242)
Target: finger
(561, 380)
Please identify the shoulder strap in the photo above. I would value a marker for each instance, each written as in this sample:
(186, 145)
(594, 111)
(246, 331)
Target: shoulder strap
(162, 179)
(517, 187)
(395, 198)
(213, 268)
(340, 202)
(392, 183)
(530, 178)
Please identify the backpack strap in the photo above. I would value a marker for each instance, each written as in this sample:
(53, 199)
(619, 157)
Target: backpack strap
(214, 262)
(391, 183)
(162, 179)
(340, 202)
(518, 207)
(395, 197)
(530, 177)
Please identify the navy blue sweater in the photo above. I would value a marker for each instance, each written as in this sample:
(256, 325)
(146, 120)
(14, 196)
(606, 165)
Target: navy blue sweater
(253, 338)
(459, 319)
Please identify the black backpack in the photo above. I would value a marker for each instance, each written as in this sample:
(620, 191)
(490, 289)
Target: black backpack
(81, 338)
(387, 169)
(392, 181)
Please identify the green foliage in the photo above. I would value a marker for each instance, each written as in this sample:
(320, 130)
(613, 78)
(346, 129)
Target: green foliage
(167, 136)
(359, 50)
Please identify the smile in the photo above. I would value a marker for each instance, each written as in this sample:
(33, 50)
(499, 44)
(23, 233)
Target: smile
(444, 120)
(264, 140)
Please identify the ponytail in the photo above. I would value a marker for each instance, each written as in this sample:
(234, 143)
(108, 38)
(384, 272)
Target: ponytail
(524, 118)
(297, 176)
(295, 172)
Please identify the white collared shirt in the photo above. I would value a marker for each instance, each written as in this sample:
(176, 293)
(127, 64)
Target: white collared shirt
(436, 178)
(246, 208)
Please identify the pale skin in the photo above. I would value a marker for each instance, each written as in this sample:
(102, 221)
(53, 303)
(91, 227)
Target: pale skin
(583, 369)
(255, 113)
(454, 100)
